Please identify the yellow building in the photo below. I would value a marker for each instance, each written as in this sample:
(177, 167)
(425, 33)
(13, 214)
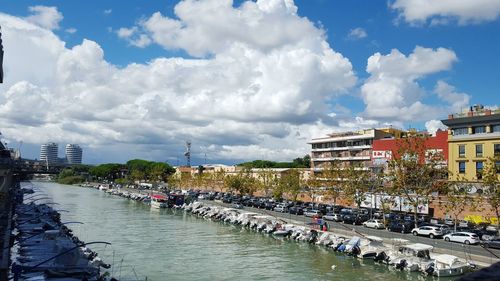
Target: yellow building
(473, 137)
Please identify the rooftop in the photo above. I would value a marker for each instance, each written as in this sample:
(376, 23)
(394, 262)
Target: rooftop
(475, 110)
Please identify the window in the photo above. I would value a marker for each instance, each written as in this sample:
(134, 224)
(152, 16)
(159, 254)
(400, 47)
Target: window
(479, 169)
(460, 131)
(461, 150)
(479, 150)
(496, 148)
(497, 166)
(479, 130)
(461, 167)
(495, 129)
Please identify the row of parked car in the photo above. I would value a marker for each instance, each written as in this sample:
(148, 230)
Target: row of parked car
(396, 222)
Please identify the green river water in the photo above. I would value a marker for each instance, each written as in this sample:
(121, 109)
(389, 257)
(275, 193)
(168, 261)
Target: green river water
(171, 245)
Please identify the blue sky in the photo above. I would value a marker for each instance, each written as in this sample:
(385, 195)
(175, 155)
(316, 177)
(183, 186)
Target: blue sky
(207, 67)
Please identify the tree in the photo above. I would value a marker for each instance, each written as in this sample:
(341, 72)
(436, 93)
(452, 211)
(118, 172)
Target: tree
(491, 183)
(457, 199)
(138, 175)
(235, 183)
(312, 186)
(290, 184)
(174, 181)
(268, 181)
(109, 171)
(218, 179)
(385, 198)
(186, 180)
(355, 183)
(416, 173)
(330, 177)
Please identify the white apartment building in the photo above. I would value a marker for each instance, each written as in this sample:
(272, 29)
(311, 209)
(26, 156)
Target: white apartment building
(73, 154)
(348, 148)
(49, 152)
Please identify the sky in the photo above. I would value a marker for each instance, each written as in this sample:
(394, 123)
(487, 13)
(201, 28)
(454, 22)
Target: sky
(241, 80)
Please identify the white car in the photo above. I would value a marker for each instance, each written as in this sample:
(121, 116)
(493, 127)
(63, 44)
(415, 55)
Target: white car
(313, 214)
(332, 217)
(430, 230)
(462, 237)
(374, 224)
(281, 208)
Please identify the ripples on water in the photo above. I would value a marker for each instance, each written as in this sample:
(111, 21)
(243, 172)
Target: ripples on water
(171, 245)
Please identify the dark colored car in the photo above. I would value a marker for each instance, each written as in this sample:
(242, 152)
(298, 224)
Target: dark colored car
(227, 199)
(270, 205)
(354, 219)
(296, 210)
(400, 226)
(493, 243)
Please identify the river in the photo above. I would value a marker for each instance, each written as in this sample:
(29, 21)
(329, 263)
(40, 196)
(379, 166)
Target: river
(172, 245)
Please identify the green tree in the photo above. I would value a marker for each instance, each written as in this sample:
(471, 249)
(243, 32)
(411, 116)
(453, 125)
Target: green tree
(110, 171)
(218, 179)
(234, 183)
(416, 173)
(385, 196)
(457, 199)
(291, 184)
(268, 181)
(355, 183)
(174, 181)
(491, 183)
(330, 177)
(313, 185)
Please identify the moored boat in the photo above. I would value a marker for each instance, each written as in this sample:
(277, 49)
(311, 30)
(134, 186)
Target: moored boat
(159, 201)
(445, 265)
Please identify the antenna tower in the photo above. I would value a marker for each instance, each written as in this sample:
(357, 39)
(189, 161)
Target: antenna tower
(188, 153)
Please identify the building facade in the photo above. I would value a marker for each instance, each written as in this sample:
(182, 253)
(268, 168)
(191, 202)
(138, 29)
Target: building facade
(473, 138)
(49, 153)
(73, 154)
(347, 149)
(385, 149)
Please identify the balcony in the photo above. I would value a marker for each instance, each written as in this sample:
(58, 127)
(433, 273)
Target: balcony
(346, 158)
(358, 147)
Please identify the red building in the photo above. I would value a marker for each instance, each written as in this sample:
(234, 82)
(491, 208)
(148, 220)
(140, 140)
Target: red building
(384, 149)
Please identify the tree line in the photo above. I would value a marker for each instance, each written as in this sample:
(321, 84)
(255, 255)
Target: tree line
(304, 162)
(133, 170)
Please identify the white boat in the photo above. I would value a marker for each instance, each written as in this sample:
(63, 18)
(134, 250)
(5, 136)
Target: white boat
(371, 246)
(447, 265)
(411, 257)
(159, 201)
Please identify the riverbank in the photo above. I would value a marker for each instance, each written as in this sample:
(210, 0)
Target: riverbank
(475, 254)
(45, 247)
(128, 193)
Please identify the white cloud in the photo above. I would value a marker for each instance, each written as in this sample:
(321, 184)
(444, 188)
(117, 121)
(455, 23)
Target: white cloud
(71, 30)
(392, 91)
(251, 96)
(46, 17)
(433, 125)
(447, 93)
(134, 37)
(126, 33)
(108, 11)
(357, 33)
(212, 26)
(445, 11)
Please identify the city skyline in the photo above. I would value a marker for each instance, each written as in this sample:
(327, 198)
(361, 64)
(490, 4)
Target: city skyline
(242, 80)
